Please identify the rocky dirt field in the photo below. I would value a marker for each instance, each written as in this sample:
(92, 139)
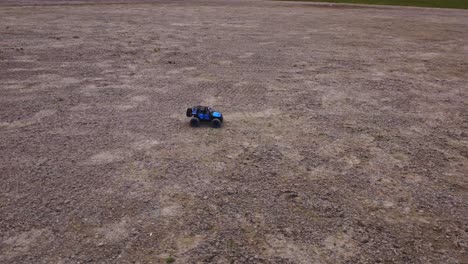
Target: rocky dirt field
(345, 134)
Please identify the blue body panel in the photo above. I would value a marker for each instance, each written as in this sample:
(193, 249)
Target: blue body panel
(216, 114)
(204, 117)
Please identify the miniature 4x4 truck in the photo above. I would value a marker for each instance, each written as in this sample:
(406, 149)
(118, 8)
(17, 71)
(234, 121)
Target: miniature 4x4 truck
(204, 114)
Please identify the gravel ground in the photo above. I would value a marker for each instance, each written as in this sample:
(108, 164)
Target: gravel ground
(345, 134)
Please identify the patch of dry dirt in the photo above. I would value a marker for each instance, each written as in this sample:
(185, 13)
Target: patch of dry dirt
(344, 142)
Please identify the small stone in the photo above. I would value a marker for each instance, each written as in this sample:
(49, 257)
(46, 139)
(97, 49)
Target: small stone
(364, 239)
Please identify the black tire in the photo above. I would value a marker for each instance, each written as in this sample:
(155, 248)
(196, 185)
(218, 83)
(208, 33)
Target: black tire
(189, 112)
(194, 122)
(216, 123)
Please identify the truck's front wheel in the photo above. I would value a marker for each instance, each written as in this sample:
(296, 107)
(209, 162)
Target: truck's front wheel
(216, 123)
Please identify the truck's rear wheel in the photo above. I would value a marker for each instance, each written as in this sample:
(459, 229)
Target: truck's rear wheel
(189, 112)
(194, 122)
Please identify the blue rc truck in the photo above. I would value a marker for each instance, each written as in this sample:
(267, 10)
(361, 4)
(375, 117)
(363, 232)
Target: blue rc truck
(204, 114)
